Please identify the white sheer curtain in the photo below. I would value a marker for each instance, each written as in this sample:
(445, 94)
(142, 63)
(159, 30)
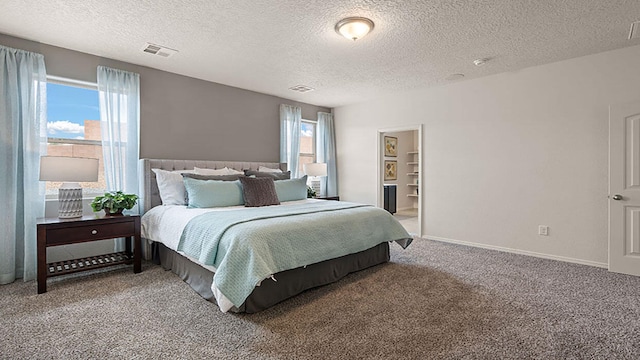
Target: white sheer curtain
(23, 120)
(119, 93)
(290, 127)
(326, 153)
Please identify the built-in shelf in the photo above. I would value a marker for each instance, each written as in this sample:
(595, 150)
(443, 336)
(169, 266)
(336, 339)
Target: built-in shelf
(413, 162)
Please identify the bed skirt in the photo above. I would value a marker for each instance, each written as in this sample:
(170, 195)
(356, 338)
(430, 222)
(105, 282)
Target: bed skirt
(289, 283)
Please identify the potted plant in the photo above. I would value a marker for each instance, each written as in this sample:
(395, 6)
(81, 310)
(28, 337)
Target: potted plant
(114, 202)
(310, 192)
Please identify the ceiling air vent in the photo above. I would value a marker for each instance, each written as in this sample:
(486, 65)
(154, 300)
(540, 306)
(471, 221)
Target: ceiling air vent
(301, 88)
(158, 50)
(634, 32)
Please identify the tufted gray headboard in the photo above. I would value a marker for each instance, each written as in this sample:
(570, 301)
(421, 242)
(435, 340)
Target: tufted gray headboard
(150, 196)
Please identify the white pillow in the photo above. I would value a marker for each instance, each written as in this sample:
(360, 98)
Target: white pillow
(231, 171)
(202, 171)
(171, 186)
(269, 170)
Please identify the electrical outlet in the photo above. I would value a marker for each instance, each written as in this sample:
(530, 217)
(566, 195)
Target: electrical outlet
(543, 230)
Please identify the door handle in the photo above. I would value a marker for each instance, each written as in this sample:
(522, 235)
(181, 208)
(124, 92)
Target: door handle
(617, 197)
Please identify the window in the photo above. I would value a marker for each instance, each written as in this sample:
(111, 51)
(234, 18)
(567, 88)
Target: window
(73, 127)
(307, 144)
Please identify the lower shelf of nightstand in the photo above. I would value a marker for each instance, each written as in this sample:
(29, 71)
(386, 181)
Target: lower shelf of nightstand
(336, 198)
(92, 262)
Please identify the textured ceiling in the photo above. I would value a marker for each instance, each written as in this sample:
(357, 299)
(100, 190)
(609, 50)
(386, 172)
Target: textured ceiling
(270, 46)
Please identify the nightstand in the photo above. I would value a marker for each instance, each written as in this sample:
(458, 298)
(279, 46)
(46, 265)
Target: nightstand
(55, 232)
(336, 198)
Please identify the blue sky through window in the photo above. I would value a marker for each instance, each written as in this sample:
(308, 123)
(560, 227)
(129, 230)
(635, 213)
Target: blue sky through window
(306, 129)
(67, 109)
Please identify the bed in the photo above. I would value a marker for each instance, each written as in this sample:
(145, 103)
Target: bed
(248, 259)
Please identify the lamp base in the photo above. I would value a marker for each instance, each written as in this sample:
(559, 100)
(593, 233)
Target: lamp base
(70, 201)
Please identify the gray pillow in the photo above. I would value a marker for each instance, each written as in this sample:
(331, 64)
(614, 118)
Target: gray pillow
(276, 176)
(212, 177)
(259, 191)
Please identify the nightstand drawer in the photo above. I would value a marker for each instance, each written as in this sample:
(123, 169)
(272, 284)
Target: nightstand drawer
(70, 235)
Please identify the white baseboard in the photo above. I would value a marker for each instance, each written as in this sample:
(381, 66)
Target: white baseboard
(520, 252)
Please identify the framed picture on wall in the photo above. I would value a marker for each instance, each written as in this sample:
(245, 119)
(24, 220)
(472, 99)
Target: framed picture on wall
(390, 146)
(390, 170)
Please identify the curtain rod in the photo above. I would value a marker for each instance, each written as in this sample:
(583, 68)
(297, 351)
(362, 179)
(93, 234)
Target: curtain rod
(63, 80)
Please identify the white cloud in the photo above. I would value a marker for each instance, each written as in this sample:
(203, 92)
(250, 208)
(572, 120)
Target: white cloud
(308, 133)
(64, 126)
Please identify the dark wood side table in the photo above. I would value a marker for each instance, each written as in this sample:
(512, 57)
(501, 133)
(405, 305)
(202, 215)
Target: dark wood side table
(336, 198)
(55, 231)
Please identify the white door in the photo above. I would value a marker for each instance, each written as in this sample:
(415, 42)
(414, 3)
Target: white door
(624, 188)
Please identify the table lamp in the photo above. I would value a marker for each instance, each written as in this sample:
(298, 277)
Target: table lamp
(71, 171)
(315, 170)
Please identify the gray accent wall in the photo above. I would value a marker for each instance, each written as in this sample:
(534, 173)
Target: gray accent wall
(180, 118)
(183, 117)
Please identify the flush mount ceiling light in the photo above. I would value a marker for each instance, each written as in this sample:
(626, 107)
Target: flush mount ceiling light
(301, 88)
(354, 28)
(480, 62)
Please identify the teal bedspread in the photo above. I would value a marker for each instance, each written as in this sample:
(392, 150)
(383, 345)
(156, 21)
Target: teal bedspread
(249, 245)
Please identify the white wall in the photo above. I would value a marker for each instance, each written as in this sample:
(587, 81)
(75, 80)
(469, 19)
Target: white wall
(505, 153)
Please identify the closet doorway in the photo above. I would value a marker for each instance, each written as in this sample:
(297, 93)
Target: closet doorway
(400, 175)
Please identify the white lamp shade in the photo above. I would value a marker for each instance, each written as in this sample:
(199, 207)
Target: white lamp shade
(72, 169)
(315, 169)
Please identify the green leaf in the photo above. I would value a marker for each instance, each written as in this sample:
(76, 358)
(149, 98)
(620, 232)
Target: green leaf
(114, 201)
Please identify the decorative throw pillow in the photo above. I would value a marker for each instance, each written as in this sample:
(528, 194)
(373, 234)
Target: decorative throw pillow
(170, 187)
(273, 175)
(203, 171)
(231, 171)
(293, 189)
(259, 191)
(213, 193)
(214, 177)
(269, 170)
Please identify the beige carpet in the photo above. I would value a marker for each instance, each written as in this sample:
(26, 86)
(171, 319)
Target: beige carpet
(434, 301)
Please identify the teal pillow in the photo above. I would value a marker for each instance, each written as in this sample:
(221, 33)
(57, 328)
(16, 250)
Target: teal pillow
(213, 193)
(290, 190)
